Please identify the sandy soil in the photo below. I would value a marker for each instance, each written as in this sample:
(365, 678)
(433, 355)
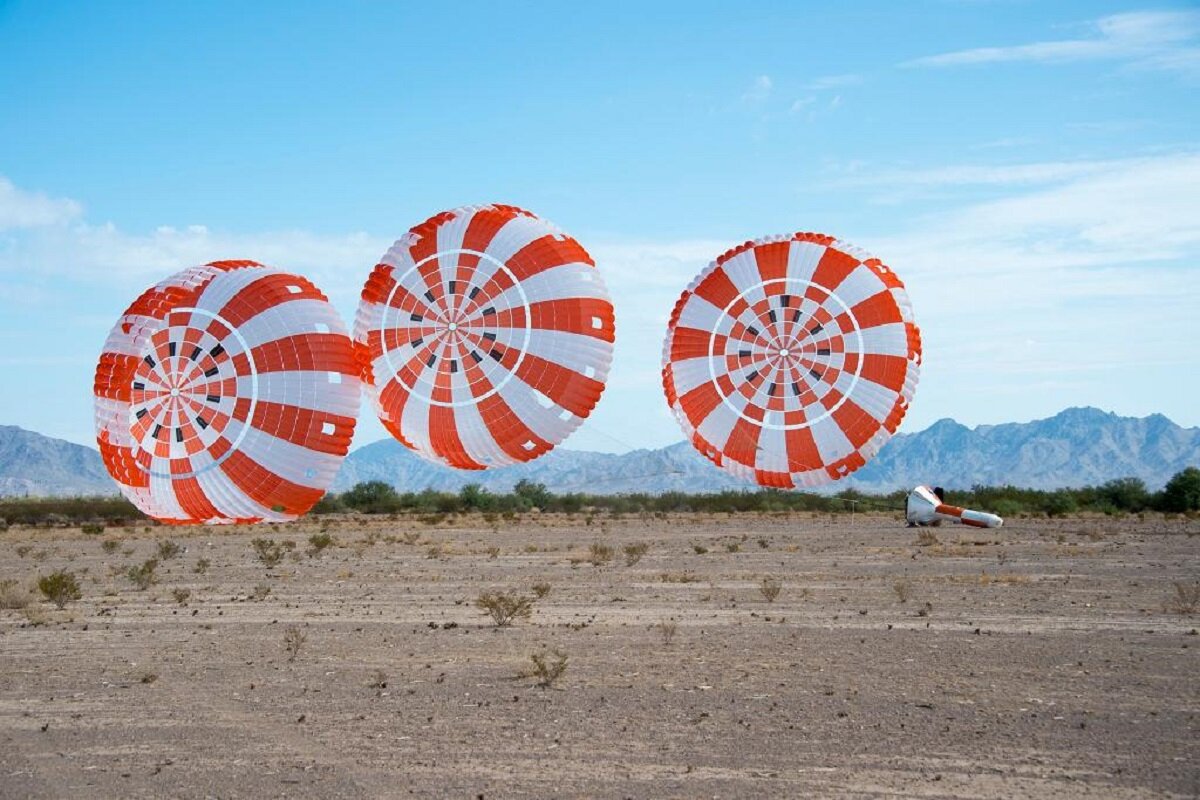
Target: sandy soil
(1045, 659)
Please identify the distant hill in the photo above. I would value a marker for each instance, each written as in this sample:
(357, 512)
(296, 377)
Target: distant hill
(1077, 447)
(38, 466)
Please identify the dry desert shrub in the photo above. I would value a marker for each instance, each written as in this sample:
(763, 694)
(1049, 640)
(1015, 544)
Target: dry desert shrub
(13, 595)
(143, 576)
(634, 552)
(168, 549)
(548, 667)
(505, 607)
(903, 590)
(770, 588)
(181, 595)
(1186, 599)
(271, 552)
(379, 680)
(260, 592)
(599, 554)
(927, 538)
(59, 587)
(666, 630)
(110, 545)
(201, 567)
(293, 640)
(678, 577)
(318, 543)
(540, 589)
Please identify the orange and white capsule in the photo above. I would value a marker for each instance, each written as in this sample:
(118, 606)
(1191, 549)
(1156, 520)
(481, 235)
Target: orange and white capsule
(925, 507)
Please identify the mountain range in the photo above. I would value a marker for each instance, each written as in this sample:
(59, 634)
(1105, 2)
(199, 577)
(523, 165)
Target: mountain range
(1076, 447)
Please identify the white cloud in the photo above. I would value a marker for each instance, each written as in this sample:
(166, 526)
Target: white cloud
(21, 209)
(1159, 40)
(758, 91)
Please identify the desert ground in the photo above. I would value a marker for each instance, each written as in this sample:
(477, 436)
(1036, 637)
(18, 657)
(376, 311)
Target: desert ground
(1044, 659)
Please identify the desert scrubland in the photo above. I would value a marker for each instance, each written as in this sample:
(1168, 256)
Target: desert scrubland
(678, 655)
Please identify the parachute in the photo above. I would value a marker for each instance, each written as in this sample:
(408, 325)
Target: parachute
(790, 360)
(485, 337)
(227, 393)
(925, 507)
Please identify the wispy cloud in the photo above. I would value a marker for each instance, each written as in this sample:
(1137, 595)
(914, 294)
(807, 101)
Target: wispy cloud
(1159, 40)
(758, 92)
(22, 209)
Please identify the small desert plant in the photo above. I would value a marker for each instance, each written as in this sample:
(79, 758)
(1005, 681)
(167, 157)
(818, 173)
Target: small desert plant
(924, 610)
(13, 595)
(493, 552)
(732, 547)
(201, 567)
(634, 552)
(599, 554)
(92, 528)
(269, 551)
(59, 587)
(770, 587)
(318, 542)
(23, 549)
(666, 629)
(903, 590)
(540, 589)
(379, 680)
(168, 549)
(260, 592)
(148, 677)
(927, 538)
(504, 607)
(181, 595)
(699, 549)
(110, 545)
(548, 667)
(293, 640)
(1186, 599)
(143, 576)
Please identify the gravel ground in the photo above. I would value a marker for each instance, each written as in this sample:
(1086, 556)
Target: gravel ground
(1044, 659)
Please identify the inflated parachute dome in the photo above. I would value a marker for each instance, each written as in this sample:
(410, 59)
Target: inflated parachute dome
(790, 360)
(227, 393)
(485, 337)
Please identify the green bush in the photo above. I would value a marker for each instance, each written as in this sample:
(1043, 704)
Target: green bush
(59, 587)
(1182, 492)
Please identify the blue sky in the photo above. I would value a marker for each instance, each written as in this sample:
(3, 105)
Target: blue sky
(1032, 171)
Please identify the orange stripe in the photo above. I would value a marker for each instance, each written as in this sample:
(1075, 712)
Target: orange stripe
(878, 309)
(717, 289)
(888, 371)
(443, 436)
(267, 488)
(833, 268)
(772, 261)
(856, 424)
(121, 464)
(575, 392)
(114, 376)
(325, 352)
(305, 427)
(270, 290)
(545, 253)
(742, 445)
(575, 315)
(802, 452)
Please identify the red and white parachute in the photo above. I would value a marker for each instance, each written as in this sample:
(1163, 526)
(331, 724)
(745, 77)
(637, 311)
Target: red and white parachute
(485, 336)
(790, 360)
(227, 393)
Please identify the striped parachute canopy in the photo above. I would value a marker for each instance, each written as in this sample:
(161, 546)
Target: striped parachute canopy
(485, 337)
(227, 393)
(790, 360)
